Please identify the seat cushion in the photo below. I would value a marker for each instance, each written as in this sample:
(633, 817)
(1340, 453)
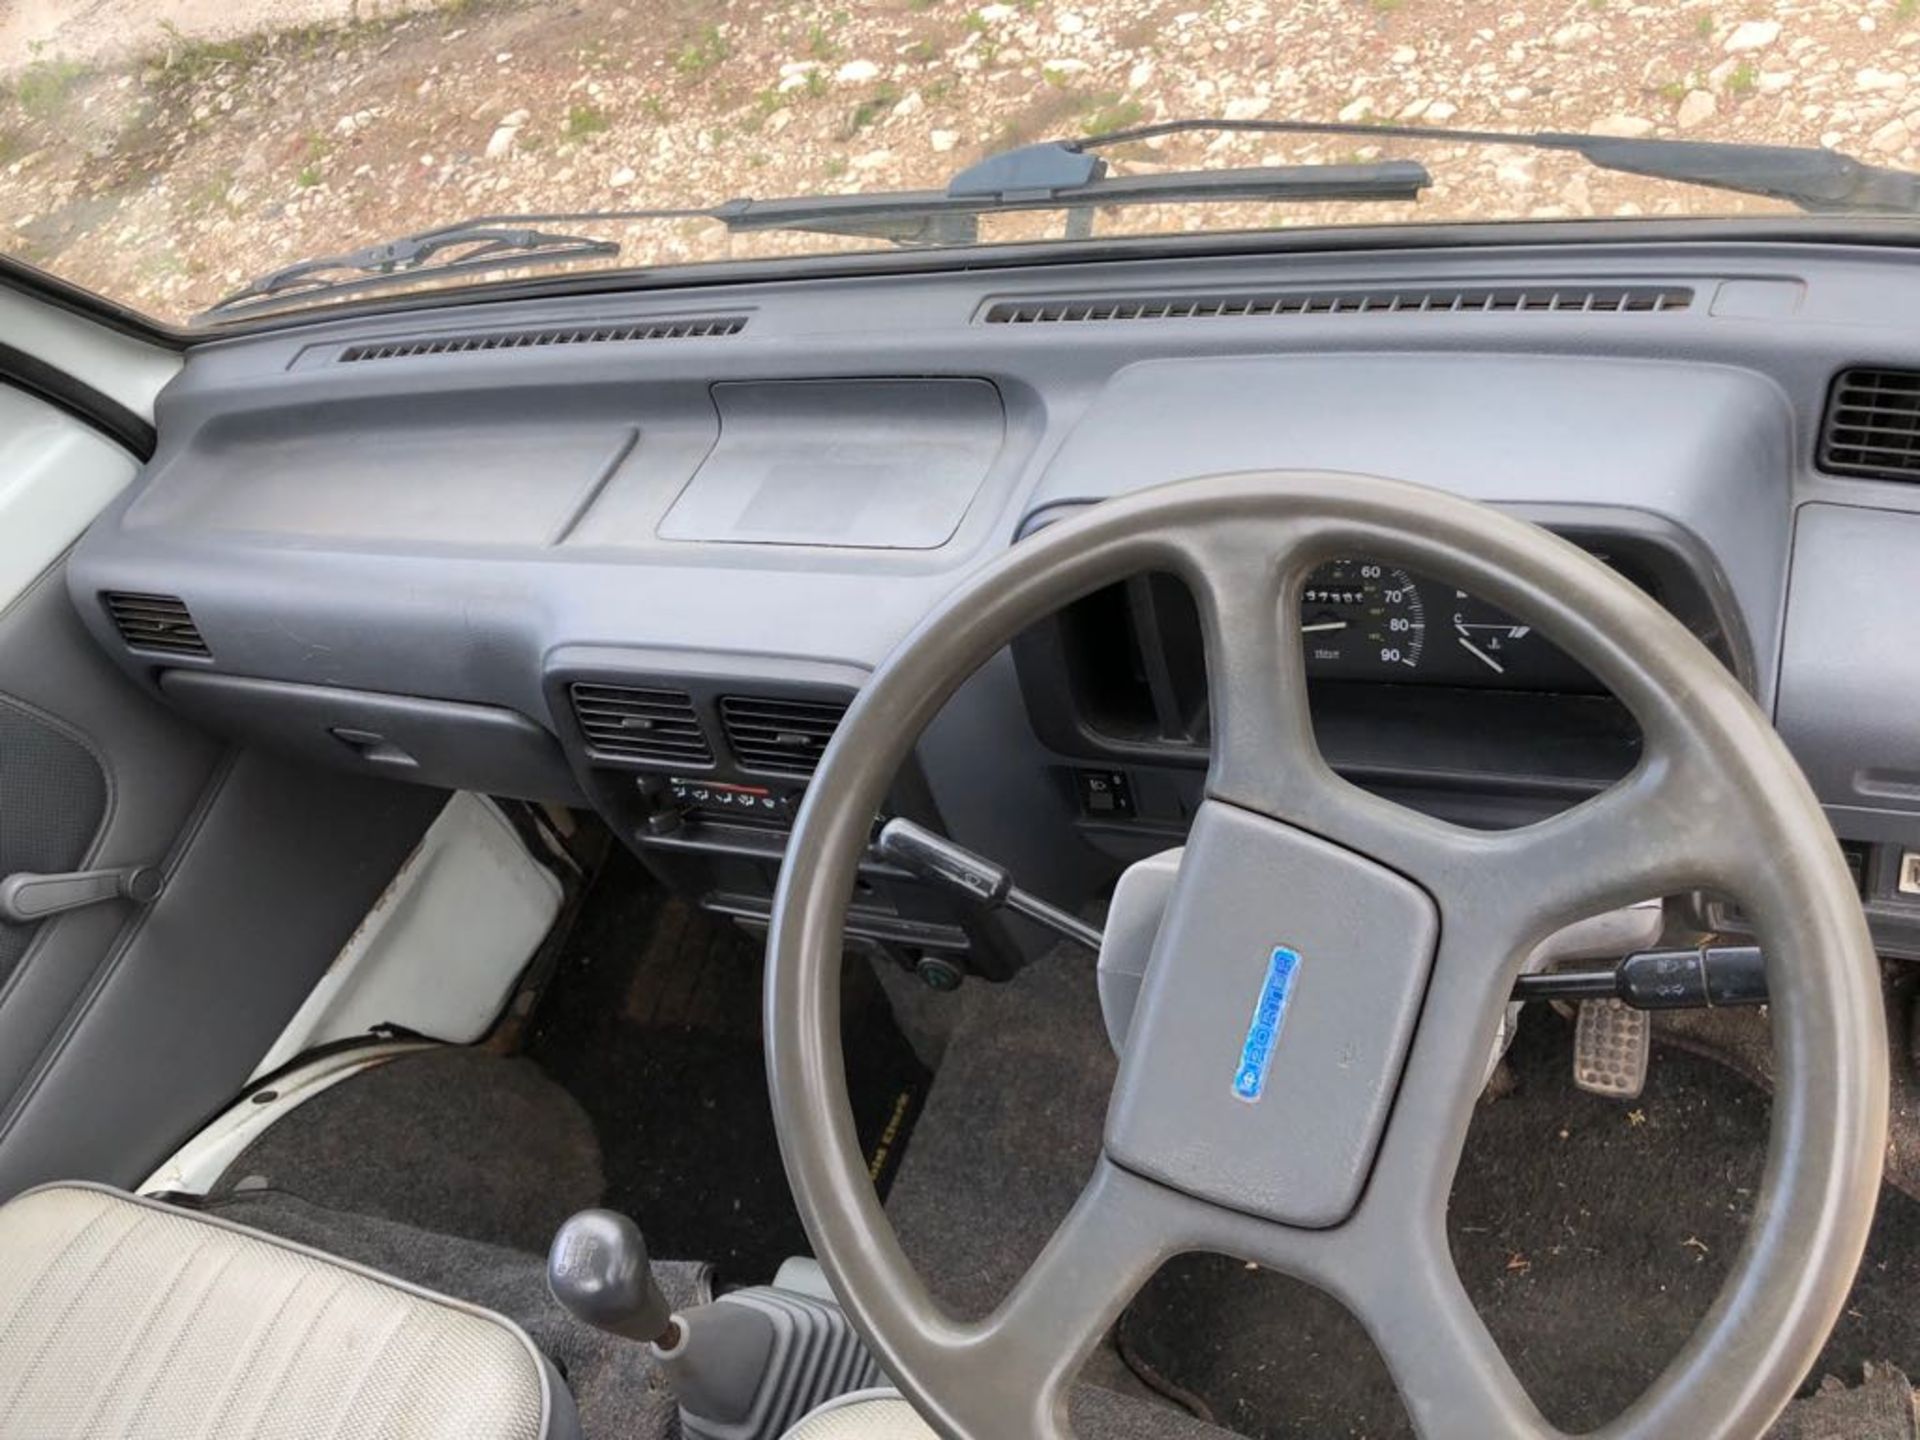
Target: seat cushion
(124, 1317)
(865, 1415)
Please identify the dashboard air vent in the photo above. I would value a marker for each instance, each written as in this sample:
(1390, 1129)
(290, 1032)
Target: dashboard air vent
(627, 722)
(1872, 427)
(160, 624)
(1419, 300)
(784, 736)
(685, 327)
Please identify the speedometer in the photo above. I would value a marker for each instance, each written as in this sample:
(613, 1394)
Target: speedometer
(1362, 620)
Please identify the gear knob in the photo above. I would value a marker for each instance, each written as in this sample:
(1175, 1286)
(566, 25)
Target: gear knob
(597, 1269)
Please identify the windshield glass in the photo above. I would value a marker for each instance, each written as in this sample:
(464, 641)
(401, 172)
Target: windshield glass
(166, 153)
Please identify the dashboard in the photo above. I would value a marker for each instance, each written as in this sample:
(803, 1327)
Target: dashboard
(586, 552)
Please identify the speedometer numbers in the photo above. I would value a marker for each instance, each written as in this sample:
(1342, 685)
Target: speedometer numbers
(1367, 620)
(1359, 618)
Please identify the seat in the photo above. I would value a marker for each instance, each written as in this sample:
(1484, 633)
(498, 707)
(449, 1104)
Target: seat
(121, 1316)
(863, 1415)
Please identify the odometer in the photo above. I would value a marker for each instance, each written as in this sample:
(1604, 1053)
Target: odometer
(1362, 620)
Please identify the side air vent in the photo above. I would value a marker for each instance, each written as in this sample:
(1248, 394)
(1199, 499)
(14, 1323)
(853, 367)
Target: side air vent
(1873, 425)
(1421, 300)
(159, 624)
(786, 737)
(627, 722)
(688, 327)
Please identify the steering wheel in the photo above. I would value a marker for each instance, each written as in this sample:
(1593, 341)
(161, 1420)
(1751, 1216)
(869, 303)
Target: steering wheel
(1314, 1027)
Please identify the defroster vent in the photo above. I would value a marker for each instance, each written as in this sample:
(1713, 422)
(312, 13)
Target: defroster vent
(682, 327)
(1872, 426)
(1547, 299)
(785, 737)
(628, 722)
(155, 624)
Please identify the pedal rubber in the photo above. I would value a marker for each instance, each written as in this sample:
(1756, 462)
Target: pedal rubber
(1611, 1045)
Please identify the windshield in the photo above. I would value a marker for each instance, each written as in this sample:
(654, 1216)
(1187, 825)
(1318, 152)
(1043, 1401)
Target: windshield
(167, 155)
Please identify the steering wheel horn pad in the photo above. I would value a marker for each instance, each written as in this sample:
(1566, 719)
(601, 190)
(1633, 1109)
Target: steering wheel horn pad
(1267, 1094)
(1295, 881)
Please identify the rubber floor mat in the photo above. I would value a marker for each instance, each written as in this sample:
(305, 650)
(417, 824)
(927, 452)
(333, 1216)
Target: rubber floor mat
(653, 1023)
(1592, 1234)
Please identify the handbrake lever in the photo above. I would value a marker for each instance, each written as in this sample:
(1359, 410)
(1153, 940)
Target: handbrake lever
(936, 858)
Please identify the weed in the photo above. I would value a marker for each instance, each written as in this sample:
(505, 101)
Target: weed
(190, 61)
(12, 147)
(925, 52)
(920, 7)
(816, 84)
(1056, 77)
(835, 167)
(1741, 81)
(584, 120)
(1674, 91)
(655, 109)
(936, 91)
(883, 99)
(1387, 7)
(308, 177)
(975, 23)
(1703, 27)
(1906, 11)
(45, 84)
(1112, 112)
(820, 44)
(703, 54)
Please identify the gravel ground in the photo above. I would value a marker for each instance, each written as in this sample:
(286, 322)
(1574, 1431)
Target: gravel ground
(165, 160)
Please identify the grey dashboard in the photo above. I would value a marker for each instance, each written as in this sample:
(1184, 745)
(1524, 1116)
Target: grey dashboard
(405, 544)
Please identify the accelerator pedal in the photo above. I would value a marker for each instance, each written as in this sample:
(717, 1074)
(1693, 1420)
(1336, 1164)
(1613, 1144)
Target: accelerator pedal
(1612, 1043)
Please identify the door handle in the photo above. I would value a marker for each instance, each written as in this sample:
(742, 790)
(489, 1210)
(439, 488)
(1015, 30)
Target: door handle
(28, 898)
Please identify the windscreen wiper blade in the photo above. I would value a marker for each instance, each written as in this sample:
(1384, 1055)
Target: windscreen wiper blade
(449, 250)
(1810, 177)
(1058, 175)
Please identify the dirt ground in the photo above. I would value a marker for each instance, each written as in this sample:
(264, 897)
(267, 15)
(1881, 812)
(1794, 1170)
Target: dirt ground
(163, 153)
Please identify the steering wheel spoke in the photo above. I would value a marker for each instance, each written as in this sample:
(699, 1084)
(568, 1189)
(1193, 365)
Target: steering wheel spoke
(1032, 1346)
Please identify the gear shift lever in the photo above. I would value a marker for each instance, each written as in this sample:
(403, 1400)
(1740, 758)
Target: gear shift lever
(743, 1367)
(597, 1269)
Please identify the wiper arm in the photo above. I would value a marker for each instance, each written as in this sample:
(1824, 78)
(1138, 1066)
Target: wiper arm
(472, 245)
(1810, 177)
(1060, 175)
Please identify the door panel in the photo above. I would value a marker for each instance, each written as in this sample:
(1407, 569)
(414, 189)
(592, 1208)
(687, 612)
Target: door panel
(123, 1026)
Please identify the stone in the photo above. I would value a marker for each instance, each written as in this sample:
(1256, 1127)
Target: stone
(1580, 32)
(857, 72)
(912, 103)
(1140, 76)
(1441, 111)
(1247, 107)
(1355, 111)
(1696, 109)
(942, 141)
(1891, 138)
(1405, 55)
(1624, 127)
(621, 178)
(1067, 22)
(1414, 109)
(1875, 81)
(1773, 82)
(501, 143)
(1750, 35)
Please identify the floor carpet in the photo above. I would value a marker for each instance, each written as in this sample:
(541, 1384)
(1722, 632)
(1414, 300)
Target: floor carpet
(1591, 1234)
(653, 1022)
